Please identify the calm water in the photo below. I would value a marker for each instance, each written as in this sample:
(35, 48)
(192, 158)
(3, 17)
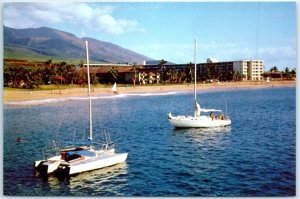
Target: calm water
(256, 156)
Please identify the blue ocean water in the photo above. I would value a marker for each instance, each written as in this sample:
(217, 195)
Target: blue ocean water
(255, 156)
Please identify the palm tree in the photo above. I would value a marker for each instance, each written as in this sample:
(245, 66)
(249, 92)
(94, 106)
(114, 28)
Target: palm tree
(237, 76)
(70, 73)
(47, 75)
(162, 69)
(287, 70)
(94, 78)
(61, 70)
(17, 74)
(33, 78)
(181, 76)
(287, 73)
(175, 76)
(113, 73)
(48, 62)
(293, 72)
(80, 75)
(6, 75)
(229, 75)
(189, 72)
(134, 69)
(172, 75)
(274, 69)
(209, 71)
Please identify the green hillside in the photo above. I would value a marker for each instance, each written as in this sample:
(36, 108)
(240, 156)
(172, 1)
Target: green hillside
(45, 43)
(13, 52)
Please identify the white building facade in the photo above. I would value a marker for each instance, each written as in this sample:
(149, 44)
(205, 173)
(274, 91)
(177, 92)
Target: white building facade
(251, 69)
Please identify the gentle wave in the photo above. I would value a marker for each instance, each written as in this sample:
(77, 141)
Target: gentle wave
(63, 99)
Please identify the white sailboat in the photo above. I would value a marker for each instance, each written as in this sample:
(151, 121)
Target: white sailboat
(85, 157)
(114, 88)
(198, 120)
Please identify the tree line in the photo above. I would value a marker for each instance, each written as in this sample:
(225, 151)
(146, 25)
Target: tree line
(17, 76)
(286, 73)
(31, 76)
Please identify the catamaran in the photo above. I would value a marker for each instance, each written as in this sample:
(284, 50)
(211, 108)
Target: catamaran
(84, 157)
(198, 120)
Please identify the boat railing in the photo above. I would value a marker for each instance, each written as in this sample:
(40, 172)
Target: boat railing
(108, 146)
(53, 150)
(47, 153)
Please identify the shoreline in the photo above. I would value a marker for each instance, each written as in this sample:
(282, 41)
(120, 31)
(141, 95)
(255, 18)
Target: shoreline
(15, 96)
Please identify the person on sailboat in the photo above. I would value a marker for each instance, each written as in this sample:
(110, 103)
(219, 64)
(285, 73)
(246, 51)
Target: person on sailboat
(212, 115)
(221, 116)
(88, 142)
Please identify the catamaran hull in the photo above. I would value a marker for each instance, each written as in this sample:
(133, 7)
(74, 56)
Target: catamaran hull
(48, 166)
(197, 122)
(92, 164)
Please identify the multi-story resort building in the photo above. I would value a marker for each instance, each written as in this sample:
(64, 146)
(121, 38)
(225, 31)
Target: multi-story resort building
(249, 69)
(151, 73)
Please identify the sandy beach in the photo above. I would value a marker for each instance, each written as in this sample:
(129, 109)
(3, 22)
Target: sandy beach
(11, 95)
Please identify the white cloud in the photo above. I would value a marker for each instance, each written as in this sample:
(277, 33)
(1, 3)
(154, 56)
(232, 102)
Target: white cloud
(176, 52)
(280, 56)
(91, 17)
(283, 52)
(109, 24)
(82, 34)
(284, 56)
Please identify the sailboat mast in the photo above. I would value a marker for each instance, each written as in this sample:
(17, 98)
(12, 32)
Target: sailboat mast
(195, 71)
(89, 89)
(195, 78)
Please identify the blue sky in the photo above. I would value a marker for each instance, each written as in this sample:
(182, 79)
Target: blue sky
(166, 30)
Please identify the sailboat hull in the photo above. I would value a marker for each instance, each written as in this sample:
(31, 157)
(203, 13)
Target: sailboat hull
(197, 122)
(104, 160)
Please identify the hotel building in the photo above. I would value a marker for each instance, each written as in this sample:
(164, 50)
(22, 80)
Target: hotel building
(149, 72)
(251, 69)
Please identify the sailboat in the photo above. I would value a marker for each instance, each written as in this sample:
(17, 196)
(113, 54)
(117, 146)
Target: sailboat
(114, 88)
(84, 157)
(198, 120)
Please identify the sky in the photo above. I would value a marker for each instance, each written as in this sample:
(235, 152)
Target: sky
(226, 31)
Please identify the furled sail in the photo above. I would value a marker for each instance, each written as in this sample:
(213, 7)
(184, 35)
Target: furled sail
(197, 109)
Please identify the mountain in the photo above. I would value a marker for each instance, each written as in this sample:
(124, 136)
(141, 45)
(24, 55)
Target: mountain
(59, 44)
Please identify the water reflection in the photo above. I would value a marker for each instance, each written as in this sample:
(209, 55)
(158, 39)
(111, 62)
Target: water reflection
(107, 181)
(213, 130)
(203, 134)
(218, 138)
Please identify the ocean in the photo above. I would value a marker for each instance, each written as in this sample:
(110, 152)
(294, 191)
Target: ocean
(255, 156)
